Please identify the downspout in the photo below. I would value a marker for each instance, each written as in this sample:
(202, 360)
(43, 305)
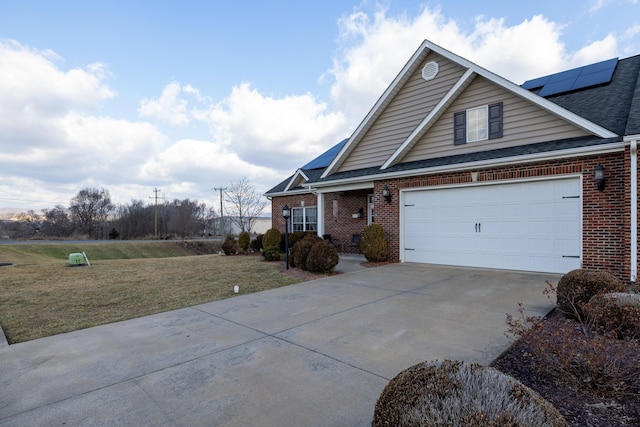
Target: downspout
(634, 210)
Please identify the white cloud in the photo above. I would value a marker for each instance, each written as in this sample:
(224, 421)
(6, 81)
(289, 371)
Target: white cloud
(31, 82)
(169, 107)
(596, 5)
(376, 47)
(52, 142)
(276, 133)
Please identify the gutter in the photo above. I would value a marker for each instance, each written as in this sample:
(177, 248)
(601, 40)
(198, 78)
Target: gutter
(481, 164)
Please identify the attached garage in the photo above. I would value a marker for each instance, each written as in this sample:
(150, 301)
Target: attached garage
(529, 226)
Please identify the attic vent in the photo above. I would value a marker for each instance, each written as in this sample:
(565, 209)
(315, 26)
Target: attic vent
(430, 71)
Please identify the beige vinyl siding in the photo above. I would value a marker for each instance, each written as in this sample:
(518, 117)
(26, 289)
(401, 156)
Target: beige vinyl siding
(523, 123)
(408, 108)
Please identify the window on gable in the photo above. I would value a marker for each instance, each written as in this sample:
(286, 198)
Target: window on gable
(478, 124)
(304, 219)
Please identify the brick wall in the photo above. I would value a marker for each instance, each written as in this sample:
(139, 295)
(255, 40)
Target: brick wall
(340, 222)
(342, 225)
(306, 200)
(605, 214)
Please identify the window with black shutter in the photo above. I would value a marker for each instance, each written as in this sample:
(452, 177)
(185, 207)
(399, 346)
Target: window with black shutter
(489, 128)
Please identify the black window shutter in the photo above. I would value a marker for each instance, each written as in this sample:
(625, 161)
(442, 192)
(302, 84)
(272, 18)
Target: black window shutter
(460, 128)
(495, 120)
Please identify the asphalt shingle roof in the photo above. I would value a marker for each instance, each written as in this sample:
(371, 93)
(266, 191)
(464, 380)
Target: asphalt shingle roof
(608, 105)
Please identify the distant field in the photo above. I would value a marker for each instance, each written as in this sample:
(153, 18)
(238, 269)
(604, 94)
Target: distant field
(41, 295)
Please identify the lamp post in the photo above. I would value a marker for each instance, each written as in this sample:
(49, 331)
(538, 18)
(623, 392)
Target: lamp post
(286, 214)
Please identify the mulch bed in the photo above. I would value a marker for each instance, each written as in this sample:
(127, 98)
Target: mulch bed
(580, 407)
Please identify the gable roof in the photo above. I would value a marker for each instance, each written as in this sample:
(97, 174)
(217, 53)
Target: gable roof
(472, 71)
(609, 110)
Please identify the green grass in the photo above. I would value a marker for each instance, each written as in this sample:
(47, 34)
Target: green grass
(41, 295)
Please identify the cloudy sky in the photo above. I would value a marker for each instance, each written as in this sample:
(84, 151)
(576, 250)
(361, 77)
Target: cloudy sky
(189, 95)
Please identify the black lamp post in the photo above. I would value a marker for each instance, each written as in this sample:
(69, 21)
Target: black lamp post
(286, 214)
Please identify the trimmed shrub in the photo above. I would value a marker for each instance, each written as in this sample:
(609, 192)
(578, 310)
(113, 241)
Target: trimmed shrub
(271, 253)
(301, 250)
(271, 238)
(230, 246)
(452, 393)
(243, 242)
(374, 244)
(616, 314)
(577, 287)
(295, 237)
(256, 244)
(322, 257)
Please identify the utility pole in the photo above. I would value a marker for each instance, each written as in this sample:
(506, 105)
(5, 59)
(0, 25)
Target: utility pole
(221, 189)
(156, 191)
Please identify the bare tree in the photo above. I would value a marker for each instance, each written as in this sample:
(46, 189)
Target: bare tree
(246, 204)
(90, 209)
(185, 217)
(57, 222)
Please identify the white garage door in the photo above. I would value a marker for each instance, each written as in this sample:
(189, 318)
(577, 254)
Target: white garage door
(530, 226)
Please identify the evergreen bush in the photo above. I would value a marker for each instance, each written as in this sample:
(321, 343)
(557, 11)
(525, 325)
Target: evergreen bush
(256, 244)
(294, 238)
(271, 253)
(617, 314)
(243, 242)
(374, 243)
(271, 238)
(322, 257)
(577, 287)
(453, 393)
(230, 246)
(301, 250)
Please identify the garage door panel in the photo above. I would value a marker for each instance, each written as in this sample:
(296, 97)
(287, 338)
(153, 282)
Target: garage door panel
(531, 226)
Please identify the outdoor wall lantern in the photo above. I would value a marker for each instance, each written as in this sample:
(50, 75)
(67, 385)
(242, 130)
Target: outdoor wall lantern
(286, 214)
(386, 194)
(598, 176)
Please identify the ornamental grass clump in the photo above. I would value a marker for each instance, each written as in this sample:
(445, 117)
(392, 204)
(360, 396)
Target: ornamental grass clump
(453, 393)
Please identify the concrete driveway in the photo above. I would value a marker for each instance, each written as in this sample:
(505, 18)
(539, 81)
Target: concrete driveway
(314, 354)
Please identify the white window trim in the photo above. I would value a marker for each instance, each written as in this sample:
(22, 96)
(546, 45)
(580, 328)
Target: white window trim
(475, 129)
(304, 218)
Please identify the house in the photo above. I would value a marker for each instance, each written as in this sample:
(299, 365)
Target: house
(463, 167)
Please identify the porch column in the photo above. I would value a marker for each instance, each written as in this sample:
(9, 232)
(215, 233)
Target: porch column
(320, 213)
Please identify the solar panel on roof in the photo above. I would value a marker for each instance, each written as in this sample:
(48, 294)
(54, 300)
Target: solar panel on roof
(577, 78)
(325, 159)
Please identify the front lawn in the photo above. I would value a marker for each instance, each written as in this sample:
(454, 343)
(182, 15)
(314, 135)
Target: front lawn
(41, 295)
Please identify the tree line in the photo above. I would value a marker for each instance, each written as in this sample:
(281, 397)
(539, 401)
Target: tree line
(92, 214)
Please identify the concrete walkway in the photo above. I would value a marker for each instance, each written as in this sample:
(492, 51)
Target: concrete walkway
(314, 354)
